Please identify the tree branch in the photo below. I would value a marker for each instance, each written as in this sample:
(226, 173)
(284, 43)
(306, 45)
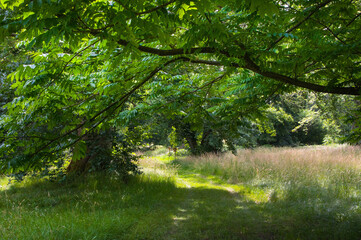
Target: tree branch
(293, 81)
(328, 29)
(298, 24)
(250, 65)
(156, 8)
(353, 19)
(170, 52)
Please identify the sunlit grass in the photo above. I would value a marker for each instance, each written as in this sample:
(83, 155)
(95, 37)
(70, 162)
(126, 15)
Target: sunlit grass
(317, 189)
(3, 182)
(158, 151)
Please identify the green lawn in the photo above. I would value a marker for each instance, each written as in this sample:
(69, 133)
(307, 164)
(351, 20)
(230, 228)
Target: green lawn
(264, 194)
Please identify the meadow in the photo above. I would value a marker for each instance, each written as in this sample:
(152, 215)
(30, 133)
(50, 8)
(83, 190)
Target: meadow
(263, 193)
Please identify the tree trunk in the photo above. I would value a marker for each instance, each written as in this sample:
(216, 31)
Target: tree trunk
(185, 132)
(80, 166)
(98, 153)
(193, 145)
(211, 142)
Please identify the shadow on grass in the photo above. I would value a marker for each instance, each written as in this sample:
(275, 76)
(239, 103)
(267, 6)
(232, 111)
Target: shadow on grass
(155, 208)
(303, 210)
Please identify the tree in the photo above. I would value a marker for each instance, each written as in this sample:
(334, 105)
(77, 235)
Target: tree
(92, 59)
(295, 119)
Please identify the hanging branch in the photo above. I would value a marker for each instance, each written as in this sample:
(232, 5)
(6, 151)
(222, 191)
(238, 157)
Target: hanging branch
(113, 107)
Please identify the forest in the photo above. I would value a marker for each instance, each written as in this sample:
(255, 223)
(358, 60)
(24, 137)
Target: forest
(180, 119)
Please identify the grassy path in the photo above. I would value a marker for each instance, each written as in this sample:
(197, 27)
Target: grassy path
(211, 208)
(166, 202)
(193, 221)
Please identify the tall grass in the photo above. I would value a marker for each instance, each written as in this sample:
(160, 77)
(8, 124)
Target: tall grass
(312, 193)
(321, 174)
(322, 165)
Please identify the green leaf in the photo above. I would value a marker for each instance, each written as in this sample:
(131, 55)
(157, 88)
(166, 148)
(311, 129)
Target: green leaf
(79, 150)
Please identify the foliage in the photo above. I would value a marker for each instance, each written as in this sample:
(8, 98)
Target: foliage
(210, 117)
(123, 162)
(172, 138)
(109, 151)
(306, 118)
(294, 119)
(96, 64)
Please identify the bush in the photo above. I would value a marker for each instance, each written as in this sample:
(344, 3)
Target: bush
(123, 162)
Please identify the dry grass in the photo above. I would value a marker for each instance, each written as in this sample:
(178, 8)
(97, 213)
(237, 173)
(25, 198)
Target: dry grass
(277, 168)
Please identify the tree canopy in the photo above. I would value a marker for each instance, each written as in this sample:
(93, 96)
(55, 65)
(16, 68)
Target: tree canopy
(97, 63)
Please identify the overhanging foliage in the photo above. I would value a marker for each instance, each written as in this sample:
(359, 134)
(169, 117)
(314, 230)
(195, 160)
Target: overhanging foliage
(94, 63)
